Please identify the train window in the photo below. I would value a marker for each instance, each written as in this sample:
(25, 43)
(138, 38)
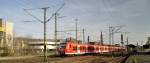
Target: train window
(105, 48)
(90, 48)
(101, 48)
(109, 48)
(70, 46)
(74, 47)
(97, 48)
(82, 48)
(62, 43)
(63, 47)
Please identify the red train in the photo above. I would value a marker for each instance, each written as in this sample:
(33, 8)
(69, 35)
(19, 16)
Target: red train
(71, 47)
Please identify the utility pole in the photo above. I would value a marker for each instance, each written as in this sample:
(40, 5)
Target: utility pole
(127, 40)
(83, 35)
(110, 35)
(45, 48)
(122, 40)
(44, 24)
(88, 39)
(113, 35)
(122, 43)
(112, 31)
(76, 21)
(55, 29)
(101, 38)
(127, 44)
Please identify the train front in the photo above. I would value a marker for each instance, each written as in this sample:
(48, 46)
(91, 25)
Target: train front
(61, 48)
(67, 47)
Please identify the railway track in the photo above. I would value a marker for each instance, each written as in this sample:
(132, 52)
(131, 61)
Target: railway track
(110, 54)
(92, 58)
(125, 59)
(74, 59)
(137, 57)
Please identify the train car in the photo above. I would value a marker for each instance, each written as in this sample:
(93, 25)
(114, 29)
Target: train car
(73, 48)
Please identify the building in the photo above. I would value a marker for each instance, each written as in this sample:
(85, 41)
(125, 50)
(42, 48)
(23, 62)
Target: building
(6, 33)
(32, 46)
(37, 46)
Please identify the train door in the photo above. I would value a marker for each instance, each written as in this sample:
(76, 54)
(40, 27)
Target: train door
(82, 49)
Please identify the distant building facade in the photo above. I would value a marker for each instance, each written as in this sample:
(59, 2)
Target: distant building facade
(37, 45)
(32, 45)
(6, 33)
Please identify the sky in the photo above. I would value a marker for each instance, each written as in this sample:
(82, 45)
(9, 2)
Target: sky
(93, 15)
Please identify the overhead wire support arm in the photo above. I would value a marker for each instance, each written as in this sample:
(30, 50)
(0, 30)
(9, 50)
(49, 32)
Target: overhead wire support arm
(51, 17)
(60, 8)
(43, 22)
(32, 15)
(120, 27)
(56, 12)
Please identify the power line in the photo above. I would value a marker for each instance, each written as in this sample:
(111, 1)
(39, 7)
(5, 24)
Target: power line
(107, 8)
(22, 4)
(32, 15)
(112, 31)
(56, 12)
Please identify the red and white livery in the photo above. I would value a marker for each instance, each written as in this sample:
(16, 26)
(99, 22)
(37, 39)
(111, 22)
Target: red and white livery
(71, 47)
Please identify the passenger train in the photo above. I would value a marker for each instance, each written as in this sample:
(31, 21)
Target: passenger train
(72, 48)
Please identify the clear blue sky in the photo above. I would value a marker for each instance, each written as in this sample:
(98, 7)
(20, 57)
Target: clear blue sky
(94, 15)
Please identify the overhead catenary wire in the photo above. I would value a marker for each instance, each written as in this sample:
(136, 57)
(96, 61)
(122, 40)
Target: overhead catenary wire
(75, 2)
(28, 3)
(112, 29)
(107, 7)
(32, 15)
(22, 4)
(55, 12)
(43, 22)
